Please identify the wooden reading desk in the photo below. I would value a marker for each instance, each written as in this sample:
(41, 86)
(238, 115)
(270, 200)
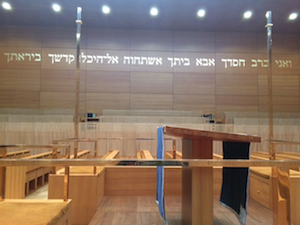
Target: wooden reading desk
(197, 182)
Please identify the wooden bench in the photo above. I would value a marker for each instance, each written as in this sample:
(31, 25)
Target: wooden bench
(170, 155)
(31, 177)
(81, 154)
(144, 154)
(111, 154)
(279, 156)
(86, 189)
(29, 211)
(17, 154)
(260, 189)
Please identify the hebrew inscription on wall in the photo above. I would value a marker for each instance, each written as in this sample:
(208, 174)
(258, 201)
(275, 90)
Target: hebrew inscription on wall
(145, 60)
(12, 56)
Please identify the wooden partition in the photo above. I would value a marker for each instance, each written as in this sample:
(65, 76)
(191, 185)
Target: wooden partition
(147, 70)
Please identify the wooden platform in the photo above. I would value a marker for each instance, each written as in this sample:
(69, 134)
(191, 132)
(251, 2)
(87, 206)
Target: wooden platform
(128, 210)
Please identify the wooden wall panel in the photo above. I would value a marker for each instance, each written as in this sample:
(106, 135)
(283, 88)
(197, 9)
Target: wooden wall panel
(96, 102)
(108, 39)
(20, 99)
(282, 85)
(190, 62)
(150, 61)
(236, 84)
(19, 79)
(107, 82)
(151, 40)
(105, 60)
(20, 36)
(20, 57)
(59, 58)
(193, 41)
(151, 83)
(194, 83)
(235, 63)
(59, 100)
(263, 84)
(151, 101)
(281, 43)
(205, 103)
(58, 37)
(211, 72)
(60, 80)
(236, 103)
(280, 104)
(229, 43)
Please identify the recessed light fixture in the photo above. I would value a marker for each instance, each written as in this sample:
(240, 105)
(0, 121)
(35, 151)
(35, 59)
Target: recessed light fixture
(56, 7)
(6, 6)
(201, 13)
(153, 11)
(105, 9)
(247, 14)
(293, 16)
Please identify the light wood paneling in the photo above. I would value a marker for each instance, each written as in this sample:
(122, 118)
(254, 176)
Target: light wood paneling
(105, 60)
(62, 37)
(19, 99)
(193, 41)
(236, 84)
(96, 102)
(20, 57)
(20, 79)
(108, 39)
(30, 36)
(107, 82)
(150, 61)
(235, 63)
(131, 181)
(236, 103)
(15, 179)
(190, 62)
(59, 58)
(151, 83)
(280, 104)
(281, 43)
(194, 83)
(151, 101)
(282, 85)
(151, 40)
(236, 42)
(61, 80)
(204, 103)
(60, 100)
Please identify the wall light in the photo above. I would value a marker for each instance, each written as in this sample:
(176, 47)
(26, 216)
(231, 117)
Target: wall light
(56, 7)
(153, 11)
(201, 13)
(6, 6)
(105, 9)
(293, 16)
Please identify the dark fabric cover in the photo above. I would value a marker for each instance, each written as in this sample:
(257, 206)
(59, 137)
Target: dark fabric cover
(234, 193)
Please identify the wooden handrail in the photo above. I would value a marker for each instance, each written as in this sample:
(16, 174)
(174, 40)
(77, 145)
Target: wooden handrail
(154, 162)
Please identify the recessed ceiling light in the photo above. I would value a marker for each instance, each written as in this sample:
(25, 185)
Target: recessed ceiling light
(293, 16)
(201, 13)
(105, 9)
(6, 6)
(153, 11)
(56, 7)
(247, 14)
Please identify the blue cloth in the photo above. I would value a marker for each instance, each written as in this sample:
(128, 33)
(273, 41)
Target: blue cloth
(160, 174)
(234, 194)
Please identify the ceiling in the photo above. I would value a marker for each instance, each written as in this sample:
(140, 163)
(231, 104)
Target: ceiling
(221, 15)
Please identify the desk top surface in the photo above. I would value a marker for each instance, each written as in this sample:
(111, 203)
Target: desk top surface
(194, 134)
